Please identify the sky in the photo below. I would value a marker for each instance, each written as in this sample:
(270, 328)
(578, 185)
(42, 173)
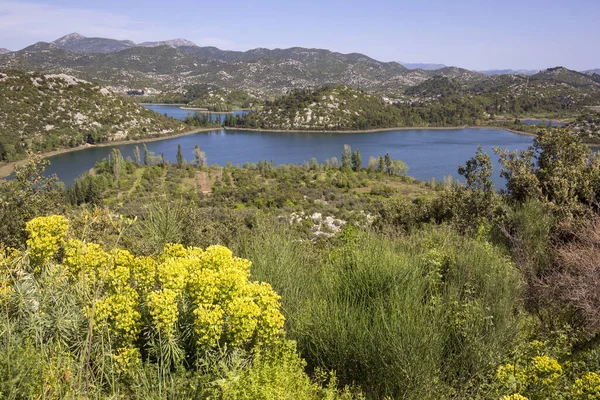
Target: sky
(473, 34)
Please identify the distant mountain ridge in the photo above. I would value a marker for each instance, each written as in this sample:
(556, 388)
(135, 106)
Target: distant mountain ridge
(424, 66)
(166, 67)
(78, 43)
(172, 66)
(493, 72)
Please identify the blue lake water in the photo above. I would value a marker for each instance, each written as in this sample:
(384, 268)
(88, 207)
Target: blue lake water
(180, 113)
(428, 153)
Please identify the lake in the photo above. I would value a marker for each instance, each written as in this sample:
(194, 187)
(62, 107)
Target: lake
(180, 113)
(429, 153)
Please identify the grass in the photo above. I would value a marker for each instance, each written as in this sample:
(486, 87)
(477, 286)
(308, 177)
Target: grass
(421, 316)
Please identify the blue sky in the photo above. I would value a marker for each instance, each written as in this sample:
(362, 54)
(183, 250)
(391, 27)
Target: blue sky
(475, 34)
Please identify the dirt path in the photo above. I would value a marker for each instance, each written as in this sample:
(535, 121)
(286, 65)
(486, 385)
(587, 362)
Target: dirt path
(203, 182)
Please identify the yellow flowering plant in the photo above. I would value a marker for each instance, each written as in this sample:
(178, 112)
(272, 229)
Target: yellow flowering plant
(46, 235)
(133, 299)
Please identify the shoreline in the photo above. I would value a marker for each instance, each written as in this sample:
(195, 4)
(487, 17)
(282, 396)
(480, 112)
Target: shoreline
(201, 109)
(398, 128)
(162, 104)
(6, 169)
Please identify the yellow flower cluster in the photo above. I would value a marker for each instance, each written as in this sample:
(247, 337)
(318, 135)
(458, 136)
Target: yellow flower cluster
(126, 359)
(587, 387)
(86, 260)
(541, 375)
(515, 396)
(164, 310)
(210, 288)
(120, 313)
(545, 370)
(46, 235)
(225, 298)
(512, 376)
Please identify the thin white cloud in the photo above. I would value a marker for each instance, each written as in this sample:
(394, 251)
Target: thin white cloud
(24, 23)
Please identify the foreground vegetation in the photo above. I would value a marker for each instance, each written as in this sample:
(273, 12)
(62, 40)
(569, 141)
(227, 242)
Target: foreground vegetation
(373, 284)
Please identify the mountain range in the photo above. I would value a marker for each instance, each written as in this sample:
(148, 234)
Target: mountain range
(425, 66)
(492, 72)
(79, 43)
(172, 66)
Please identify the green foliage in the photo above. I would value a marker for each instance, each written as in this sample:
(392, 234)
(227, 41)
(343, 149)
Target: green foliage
(335, 107)
(410, 319)
(557, 169)
(279, 374)
(80, 321)
(28, 195)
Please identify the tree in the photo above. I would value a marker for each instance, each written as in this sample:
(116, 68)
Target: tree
(356, 161)
(180, 159)
(116, 162)
(30, 194)
(136, 155)
(388, 163)
(557, 169)
(478, 172)
(199, 156)
(380, 165)
(145, 154)
(398, 168)
(372, 166)
(347, 156)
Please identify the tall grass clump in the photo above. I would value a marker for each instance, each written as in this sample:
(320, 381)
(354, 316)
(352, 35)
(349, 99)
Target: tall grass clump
(422, 316)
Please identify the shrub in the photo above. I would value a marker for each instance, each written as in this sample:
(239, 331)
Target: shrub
(98, 321)
(417, 318)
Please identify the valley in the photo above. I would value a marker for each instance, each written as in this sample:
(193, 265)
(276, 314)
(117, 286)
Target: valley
(184, 222)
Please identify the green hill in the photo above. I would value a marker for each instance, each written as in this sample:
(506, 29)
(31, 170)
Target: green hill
(564, 75)
(215, 99)
(438, 86)
(336, 107)
(45, 112)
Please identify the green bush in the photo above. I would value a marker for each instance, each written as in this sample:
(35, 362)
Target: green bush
(426, 315)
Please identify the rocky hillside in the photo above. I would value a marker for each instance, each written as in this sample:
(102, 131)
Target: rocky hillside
(79, 43)
(587, 126)
(567, 76)
(438, 86)
(170, 67)
(336, 107)
(44, 112)
(556, 90)
(215, 99)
